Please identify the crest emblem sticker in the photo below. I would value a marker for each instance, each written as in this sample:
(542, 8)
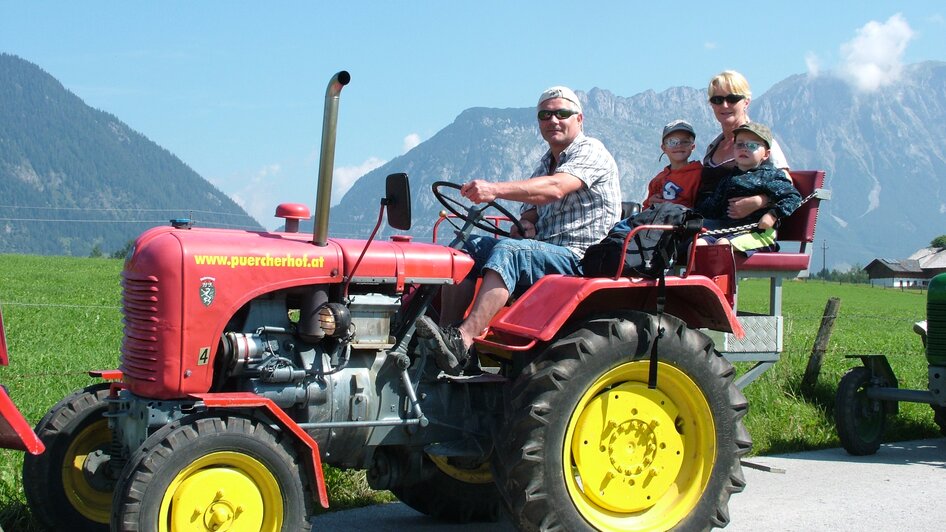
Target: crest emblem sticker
(207, 290)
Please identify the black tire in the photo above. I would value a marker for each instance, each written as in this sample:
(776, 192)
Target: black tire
(939, 416)
(62, 496)
(860, 421)
(581, 413)
(455, 491)
(230, 468)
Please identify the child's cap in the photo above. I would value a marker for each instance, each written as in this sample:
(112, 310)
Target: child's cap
(677, 125)
(761, 130)
(560, 92)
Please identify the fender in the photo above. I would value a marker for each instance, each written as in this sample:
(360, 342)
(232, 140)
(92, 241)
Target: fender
(15, 431)
(244, 400)
(555, 299)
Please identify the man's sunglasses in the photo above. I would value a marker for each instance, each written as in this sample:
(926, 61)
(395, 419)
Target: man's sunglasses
(561, 114)
(731, 99)
(751, 146)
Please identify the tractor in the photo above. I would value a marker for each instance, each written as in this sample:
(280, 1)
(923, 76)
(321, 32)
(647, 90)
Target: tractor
(15, 432)
(867, 394)
(250, 359)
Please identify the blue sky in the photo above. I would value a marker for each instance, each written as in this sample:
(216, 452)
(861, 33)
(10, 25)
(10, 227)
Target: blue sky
(236, 89)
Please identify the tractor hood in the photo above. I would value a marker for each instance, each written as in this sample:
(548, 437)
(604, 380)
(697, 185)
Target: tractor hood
(207, 275)
(268, 261)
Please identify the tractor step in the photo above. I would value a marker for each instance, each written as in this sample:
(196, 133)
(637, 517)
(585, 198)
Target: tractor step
(482, 378)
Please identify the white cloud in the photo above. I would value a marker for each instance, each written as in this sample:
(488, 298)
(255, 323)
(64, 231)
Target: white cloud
(709, 45)
(411, 141)
(257, 194)
(346, 176)
(872, 59)
(813, 64)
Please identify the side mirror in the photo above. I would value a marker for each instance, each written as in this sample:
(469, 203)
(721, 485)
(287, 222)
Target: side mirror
(397, 191)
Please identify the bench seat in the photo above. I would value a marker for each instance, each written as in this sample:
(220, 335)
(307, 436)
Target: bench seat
(799, 227)
(763, 342)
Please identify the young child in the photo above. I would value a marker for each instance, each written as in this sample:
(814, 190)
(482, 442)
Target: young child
(680, 180)
(755, 174)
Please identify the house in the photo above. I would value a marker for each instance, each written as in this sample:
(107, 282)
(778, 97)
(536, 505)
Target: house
(915, 271)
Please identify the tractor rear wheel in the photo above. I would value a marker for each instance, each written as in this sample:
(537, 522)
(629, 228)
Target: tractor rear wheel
(860, 421)
(67, 487)
(588, 445)
(454, 490)
(213, 473)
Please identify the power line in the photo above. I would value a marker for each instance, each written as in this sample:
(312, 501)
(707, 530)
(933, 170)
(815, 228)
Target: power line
(199, 223)
(129, 209)
(72, 220)
(56, 305)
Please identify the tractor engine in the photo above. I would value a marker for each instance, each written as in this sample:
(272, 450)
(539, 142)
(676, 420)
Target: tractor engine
(299, 364)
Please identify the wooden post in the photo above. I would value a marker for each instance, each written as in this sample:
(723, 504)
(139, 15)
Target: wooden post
(821, 345)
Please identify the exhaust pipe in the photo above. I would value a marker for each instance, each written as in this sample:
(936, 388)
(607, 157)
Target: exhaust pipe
(327, 158)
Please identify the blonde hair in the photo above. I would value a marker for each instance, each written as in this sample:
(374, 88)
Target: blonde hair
(734, 81)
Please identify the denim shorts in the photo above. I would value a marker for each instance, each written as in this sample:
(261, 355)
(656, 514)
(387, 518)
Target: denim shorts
(520, 263)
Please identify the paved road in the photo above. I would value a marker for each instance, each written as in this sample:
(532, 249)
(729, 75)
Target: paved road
(902, 487)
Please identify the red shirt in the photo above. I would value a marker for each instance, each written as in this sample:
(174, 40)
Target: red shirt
(675, 186)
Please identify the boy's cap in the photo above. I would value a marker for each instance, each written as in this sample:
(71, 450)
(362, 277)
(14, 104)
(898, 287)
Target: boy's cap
(560, 92)
(761, 130)
(677, 125)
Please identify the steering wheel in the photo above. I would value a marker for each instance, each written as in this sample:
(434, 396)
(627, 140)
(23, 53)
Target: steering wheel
(474, 214)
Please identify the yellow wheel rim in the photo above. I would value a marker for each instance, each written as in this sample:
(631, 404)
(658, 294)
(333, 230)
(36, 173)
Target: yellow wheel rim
(636, 458)
(223, 491)
(92, 503)
(479, 475)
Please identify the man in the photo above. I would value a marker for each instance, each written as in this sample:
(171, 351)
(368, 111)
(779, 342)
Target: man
(570, 202)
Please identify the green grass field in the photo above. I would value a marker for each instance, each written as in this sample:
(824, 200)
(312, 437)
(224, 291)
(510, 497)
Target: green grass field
(62, 319)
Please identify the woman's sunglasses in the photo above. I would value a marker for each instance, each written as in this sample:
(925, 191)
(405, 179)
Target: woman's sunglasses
(731, 99)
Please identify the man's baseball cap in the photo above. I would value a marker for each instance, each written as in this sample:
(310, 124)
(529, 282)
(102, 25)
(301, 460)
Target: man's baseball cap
(560, 92)
(761, 130)
(677, 125)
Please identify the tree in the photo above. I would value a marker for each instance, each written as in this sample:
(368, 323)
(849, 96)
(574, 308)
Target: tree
(124, 251)
(938, 242)
(96, 252)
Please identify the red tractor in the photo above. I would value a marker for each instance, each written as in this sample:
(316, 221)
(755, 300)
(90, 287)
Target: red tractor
(249, 359)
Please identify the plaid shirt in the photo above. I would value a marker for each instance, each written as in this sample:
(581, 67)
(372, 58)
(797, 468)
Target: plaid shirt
(584, 217)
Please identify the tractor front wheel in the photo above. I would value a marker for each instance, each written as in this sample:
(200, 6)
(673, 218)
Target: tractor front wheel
(68, 486)
(587, 444)
(860, 421)
(213, 473)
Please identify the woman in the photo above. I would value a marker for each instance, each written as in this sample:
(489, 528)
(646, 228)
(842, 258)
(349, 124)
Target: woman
(729, 97)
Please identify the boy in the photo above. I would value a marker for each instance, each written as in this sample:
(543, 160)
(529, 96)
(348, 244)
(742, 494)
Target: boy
(755, 174)
(679, 181)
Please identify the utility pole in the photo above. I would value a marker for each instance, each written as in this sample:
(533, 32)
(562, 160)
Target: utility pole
(824, 259)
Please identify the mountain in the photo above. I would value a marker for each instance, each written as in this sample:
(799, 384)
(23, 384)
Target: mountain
(882, 151)
(74, 179)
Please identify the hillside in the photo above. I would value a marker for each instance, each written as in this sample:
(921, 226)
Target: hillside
(882, 153)
(73, 178)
